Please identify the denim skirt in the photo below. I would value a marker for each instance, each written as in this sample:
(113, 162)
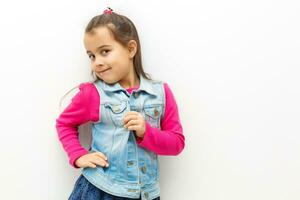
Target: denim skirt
(84, 190)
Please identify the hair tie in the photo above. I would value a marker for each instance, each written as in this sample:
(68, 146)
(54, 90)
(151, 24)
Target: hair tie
(108, 11)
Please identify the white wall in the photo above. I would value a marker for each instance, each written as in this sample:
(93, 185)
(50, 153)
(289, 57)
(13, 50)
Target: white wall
(232, 65)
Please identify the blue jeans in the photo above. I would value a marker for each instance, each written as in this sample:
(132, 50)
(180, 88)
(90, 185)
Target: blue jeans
(84, 190)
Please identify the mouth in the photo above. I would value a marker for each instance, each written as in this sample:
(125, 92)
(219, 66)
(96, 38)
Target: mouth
(101, 72)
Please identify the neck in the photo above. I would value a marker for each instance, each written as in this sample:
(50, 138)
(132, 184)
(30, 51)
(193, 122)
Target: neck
(132, 80)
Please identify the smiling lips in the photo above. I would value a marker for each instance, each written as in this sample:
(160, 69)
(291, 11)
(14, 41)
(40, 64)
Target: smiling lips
(104, 70)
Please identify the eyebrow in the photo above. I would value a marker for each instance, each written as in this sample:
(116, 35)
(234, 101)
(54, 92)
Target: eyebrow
(99, 47)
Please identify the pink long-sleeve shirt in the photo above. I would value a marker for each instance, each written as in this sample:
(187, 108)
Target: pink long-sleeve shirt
(84, 107)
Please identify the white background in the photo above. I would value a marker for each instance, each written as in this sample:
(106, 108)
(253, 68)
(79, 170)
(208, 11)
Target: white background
(233, 67)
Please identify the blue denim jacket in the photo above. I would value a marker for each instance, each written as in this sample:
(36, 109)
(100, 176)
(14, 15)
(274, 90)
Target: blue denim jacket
(133, 170)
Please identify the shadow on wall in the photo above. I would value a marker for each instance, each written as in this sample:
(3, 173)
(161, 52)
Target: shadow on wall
(85, 135)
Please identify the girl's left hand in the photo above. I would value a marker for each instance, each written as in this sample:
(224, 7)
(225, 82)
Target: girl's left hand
(135, 121)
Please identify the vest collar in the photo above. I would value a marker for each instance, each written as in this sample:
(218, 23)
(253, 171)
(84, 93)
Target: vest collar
(145, 85)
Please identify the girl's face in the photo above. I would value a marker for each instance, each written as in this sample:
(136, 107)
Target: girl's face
(110, 61)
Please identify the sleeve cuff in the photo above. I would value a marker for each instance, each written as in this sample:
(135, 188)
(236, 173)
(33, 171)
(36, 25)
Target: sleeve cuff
(76, 156)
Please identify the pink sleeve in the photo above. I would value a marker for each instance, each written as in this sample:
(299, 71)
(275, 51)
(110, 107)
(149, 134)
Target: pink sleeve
(170, 139)
(79, 111)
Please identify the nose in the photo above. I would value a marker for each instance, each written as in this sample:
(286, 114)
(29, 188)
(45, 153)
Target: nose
(98, 61)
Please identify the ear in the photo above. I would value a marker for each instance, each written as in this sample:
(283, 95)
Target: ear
(132, 48)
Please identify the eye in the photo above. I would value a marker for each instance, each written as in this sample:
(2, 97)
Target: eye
(105, 52)
(91, 56)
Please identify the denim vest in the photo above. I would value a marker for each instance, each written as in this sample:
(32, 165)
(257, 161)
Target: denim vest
(133, 171)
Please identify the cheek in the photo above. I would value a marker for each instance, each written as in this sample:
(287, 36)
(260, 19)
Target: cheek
(93, 67)
(120, 63)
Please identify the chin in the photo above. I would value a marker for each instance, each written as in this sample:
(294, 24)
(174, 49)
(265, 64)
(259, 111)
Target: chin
(109, 81)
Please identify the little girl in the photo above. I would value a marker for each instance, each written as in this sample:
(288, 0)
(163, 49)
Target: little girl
(134, 118)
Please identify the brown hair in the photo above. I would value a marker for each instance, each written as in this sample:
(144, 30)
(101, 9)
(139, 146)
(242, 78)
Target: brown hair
(123, 30)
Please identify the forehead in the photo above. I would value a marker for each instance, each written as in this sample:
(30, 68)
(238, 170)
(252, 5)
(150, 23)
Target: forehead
(100, 36)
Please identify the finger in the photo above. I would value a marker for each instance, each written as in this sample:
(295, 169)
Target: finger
(99, 161)
(131, 113)
(101, 155)
(134, 128)
(132, 122)
(89, 164)
(129, 117)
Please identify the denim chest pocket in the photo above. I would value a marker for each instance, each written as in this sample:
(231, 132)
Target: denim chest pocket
(116, 112)
(153, 114)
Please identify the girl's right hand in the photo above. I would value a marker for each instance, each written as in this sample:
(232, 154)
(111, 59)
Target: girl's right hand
(91, 160)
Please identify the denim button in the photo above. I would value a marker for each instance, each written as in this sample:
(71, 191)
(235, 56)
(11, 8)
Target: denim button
(130, 163)
(132, 190)
(146, 195)
(136, 95)
(155, 112)
(144, 169)
(116, 108)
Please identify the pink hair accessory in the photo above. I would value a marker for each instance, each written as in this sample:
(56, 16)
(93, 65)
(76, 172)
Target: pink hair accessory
(108, 11)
